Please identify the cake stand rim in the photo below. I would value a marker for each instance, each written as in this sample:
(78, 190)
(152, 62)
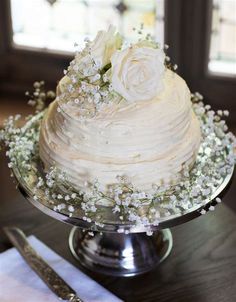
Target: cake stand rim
(168, 222)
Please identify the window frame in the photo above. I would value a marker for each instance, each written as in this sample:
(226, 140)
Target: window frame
(193, 28)
(20, 65)
(212, 75)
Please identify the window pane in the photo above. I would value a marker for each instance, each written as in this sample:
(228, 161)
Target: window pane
(58, 24)
(223, 37)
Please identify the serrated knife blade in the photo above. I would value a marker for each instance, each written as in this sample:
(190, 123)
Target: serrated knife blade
(36, 262)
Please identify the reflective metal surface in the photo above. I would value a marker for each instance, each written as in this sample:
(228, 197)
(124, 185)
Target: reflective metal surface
(120, 254)
(112, 225)
(115, 253)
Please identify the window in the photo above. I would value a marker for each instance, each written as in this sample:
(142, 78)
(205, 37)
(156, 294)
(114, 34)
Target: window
(58, 24)
(223, 37)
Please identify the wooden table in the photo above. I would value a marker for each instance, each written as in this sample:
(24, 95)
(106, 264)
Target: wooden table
(201, 267)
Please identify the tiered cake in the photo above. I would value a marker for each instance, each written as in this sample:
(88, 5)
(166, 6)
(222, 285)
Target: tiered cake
(120, 112)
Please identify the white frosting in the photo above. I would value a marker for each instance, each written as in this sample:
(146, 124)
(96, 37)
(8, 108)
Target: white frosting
(148, 141)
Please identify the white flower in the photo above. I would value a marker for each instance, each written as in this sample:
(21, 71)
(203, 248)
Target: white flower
(95, 56)
(137, 72)
(73, 195)
(212, 208)
(104, 45)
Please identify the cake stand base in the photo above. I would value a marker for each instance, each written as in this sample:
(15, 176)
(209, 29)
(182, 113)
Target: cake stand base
(120, 254)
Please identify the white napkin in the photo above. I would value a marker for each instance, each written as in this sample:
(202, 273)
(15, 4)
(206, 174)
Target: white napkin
(19, 283)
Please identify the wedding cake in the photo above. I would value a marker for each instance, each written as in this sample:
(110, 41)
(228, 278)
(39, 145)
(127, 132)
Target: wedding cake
(120, 112)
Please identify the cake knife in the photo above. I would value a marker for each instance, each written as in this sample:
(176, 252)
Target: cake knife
(36, 262)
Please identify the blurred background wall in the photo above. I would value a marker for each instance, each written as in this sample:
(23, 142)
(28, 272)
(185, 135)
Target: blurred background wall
(37, 42)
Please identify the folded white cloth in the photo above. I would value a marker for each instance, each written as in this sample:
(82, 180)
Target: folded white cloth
(19, 283)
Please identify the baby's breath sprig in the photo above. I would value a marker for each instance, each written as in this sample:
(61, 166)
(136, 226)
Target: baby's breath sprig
(39, 96)
(88, 87)
(21, 144)
(170, 65)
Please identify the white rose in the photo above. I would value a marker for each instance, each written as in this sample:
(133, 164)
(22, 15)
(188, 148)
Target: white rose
(137, 72)
(99, 50)
(104, 45)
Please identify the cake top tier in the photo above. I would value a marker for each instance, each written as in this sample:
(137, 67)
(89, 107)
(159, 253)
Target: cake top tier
(110, 70)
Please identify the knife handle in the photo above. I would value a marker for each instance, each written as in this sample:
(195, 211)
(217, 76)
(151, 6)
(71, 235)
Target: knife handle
(44, 271)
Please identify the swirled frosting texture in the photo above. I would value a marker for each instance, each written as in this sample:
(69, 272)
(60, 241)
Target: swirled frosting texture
(148, 141)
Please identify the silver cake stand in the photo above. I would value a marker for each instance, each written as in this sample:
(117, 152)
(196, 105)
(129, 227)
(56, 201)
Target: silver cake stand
(117, 248)
(114, 247)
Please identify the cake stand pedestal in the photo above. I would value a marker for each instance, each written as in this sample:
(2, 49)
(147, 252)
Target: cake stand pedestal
(120, 254)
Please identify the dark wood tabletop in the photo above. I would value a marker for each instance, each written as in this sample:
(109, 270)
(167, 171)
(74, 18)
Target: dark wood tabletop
(201, 267)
